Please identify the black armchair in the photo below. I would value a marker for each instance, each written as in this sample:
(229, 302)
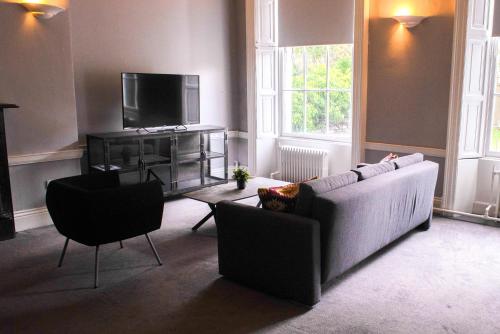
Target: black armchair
(95, 210)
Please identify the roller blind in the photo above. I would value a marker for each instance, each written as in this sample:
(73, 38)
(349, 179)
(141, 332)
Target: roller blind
(496, 19)
(315, 22)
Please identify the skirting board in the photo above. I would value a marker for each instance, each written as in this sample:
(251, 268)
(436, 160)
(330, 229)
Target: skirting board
(32, 218)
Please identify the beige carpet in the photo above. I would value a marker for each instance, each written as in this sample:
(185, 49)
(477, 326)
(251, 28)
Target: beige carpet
(446, 280)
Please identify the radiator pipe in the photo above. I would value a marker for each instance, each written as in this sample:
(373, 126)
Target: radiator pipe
(466, 214)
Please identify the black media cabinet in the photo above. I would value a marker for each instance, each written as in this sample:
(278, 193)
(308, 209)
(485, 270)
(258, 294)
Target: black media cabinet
(182, 160)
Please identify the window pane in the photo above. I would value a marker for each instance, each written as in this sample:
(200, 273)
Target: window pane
(340, 61)
(316, 112)
(293, 112)
(293, 66)
(340, 111)
(495, 126)
(497, 88)
(316, 67)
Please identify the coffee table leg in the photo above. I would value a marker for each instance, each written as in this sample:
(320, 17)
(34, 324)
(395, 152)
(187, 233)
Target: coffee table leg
(207, 217)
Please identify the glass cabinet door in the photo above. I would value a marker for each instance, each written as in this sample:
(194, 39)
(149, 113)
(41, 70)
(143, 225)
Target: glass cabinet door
(96, 156)
(124, 155)
(157, 158)
(188, 157)
(214, 146)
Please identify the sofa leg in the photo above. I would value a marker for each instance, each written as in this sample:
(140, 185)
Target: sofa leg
(96, 268)
(424, 226)
(63, 253)
(154, 250)
(121, 244)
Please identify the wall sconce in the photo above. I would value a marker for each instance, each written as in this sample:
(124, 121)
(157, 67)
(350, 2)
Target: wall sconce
(42, 10)
(409, 21)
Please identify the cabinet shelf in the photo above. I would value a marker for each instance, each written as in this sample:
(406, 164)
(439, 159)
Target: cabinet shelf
(188, 157)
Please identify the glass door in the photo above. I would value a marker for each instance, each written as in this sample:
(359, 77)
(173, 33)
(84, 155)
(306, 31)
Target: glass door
(123, 155)
(157, 160)
(189, 161)
(214, 152)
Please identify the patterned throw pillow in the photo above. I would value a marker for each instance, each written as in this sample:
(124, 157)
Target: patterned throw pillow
(280, 199)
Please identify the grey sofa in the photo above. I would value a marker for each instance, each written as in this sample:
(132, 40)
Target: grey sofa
(339, 221)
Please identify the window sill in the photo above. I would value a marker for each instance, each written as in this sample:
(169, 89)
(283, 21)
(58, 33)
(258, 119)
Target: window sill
(324, 139)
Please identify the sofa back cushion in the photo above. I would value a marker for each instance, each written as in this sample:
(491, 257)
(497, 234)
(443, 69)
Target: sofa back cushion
(309, 190)
(370, 171)
(408, 160)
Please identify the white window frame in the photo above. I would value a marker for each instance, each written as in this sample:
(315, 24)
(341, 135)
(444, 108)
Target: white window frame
(492, 66)
(325, 137)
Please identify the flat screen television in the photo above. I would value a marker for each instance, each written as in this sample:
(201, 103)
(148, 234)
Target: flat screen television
(158, 100)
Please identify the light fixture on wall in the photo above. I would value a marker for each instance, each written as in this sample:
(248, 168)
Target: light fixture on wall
(42, 10)
(409, 21)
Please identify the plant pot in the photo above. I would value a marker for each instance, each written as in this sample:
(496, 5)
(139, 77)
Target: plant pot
(241, 184)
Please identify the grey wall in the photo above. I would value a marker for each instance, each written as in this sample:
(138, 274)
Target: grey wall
(28, 181)
(36, 72)
(496, 19)
(239, 63)
(409, 73)
(372, 156)
(181, 36)
(409, 81)
(315, 22)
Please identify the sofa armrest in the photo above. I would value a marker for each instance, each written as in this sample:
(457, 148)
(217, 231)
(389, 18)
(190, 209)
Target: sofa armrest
(274, 252)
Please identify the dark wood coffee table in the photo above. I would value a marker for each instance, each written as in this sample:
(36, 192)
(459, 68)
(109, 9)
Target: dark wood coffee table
(229, 192)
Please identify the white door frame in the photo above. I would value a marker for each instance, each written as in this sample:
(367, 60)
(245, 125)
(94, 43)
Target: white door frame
(360, 80)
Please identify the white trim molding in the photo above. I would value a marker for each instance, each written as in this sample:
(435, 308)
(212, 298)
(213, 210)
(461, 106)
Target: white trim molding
(26, 159)
(32, 218)
(429, 151)
(360, 79)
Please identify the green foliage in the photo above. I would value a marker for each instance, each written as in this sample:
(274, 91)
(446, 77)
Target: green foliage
(241, 173)
(495, 139)
(315, 103)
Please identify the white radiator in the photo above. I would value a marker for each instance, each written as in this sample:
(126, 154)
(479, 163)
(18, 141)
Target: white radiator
(301, 163)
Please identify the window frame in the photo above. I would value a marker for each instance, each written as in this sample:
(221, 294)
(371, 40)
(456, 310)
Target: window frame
(331, 137)
(494, 71)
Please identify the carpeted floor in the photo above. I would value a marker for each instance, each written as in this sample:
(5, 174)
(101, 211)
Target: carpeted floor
(446, 280)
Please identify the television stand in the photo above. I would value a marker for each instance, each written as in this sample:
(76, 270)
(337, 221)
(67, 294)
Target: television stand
(184, 161)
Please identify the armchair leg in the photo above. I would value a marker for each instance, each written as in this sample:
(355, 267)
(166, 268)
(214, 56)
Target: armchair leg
(121, 244)
(154, 249)
(96, 268)
(63, 253)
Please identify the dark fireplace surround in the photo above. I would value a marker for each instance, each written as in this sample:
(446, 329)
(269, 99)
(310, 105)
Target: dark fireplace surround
(7, 227)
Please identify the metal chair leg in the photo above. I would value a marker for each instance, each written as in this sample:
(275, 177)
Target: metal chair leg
(154, 249)
(96, 268)
(121, 244)
(63, 253)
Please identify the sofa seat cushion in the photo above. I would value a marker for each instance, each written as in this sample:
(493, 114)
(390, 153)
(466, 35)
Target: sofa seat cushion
(309, 190)
(408, 160)
(370, 171)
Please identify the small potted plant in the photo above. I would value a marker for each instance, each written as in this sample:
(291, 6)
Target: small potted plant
(241, 175)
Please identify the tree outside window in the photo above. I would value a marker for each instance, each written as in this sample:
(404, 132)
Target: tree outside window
(495, 117)
(317, 90)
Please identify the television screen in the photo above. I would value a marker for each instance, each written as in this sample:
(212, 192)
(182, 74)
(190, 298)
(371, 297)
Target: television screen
(155, 100)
